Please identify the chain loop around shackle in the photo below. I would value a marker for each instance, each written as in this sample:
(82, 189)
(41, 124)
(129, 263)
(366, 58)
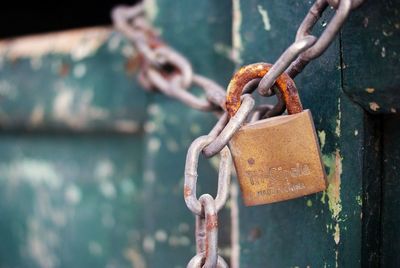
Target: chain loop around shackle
(224, 176)
(286, 58)
(231, 127)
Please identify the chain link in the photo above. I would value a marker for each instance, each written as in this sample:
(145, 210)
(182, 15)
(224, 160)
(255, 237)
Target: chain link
(164, 69)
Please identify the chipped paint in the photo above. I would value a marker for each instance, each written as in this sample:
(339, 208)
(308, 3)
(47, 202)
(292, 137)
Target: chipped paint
(151, 10)
(154, 145)
(128, 51)
(359, 200)
(334, 164)
(179, 241)
(95, 248)
(172, 145)
(150, 127)
(339, 117)
(195, 129)
(37, 115)
(183, 227)
(135, 258)
(149, 244)
(8, 90)
(114, 42)
(149, 176)
(224, 50)
(374, 106)
(75, 108)
(265, 17)
(393, 110)
(309, 203)
(107, 189)
(356, 132)
(383, 52)
(336, 234)
(370, 90)
(322, 138)
(72, 194)
(38, 246)
(161, 236)
(36, 63)
(32, 171)
(126, 126)
(79, 70)
(236, 34)
(104, 169)
(79, 44)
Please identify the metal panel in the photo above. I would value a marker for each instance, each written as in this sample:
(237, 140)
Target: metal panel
(370, 50)
(321, 230)
(80, 80)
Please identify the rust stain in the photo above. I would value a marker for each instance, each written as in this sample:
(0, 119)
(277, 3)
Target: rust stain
(212, 222)
(64, 69)
(257, 70)
(133, 64)
(187, 191)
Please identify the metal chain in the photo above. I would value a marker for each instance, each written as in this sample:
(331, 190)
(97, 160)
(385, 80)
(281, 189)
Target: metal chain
(165, 70)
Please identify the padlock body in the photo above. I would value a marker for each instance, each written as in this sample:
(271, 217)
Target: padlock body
(278, 159)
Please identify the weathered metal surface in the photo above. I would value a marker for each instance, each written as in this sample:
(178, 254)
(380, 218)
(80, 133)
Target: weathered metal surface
(80, 80)
(322, 230)
(94, 92)
(391, 191)
(255, 71)
(370, 53)
(278, 159)
(71, 201)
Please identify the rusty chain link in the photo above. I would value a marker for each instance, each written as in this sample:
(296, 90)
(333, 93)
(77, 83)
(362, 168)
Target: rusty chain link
(165, 70)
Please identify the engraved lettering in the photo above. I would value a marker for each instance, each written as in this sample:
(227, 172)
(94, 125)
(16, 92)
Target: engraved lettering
(258, 177)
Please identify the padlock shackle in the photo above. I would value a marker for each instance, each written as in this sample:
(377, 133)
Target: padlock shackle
(257, 70)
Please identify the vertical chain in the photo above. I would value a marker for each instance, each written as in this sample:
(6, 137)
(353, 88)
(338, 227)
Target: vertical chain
(206, 207)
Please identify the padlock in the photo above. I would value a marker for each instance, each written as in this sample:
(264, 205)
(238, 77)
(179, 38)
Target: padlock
(277, 158)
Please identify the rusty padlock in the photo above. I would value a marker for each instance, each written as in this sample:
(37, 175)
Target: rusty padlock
(277, 158)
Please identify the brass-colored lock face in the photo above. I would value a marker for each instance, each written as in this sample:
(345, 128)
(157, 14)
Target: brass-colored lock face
(278, 159)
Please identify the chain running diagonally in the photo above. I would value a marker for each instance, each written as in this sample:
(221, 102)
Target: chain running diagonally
(165, 70)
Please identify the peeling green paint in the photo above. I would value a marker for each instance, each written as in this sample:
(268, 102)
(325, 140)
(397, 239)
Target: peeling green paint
(322, 138)
(334, 164)
(151, 9)
(236, 35)
(224, 50)
(359, 200)
(339, 117)
(336, 234)
(265, 17)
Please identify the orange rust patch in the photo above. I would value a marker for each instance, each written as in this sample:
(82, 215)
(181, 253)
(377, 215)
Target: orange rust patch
(133, 64)
(187, 191)
(212, 222)
(63, 70)
(257, 70)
